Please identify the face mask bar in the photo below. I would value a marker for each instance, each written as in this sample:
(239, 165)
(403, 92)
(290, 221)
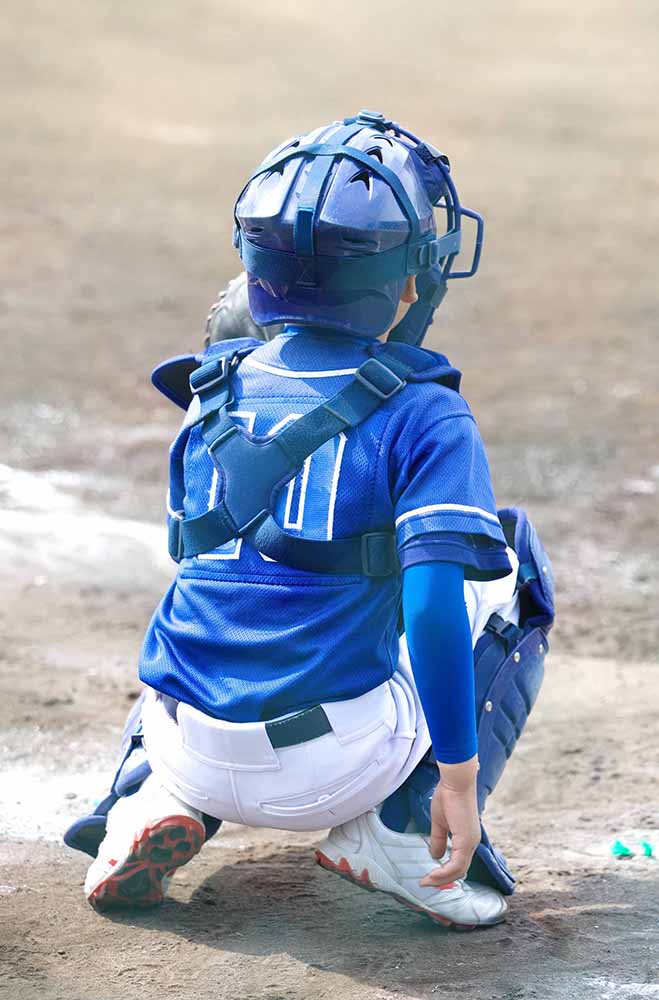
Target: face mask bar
(454, 210)
(431, 285)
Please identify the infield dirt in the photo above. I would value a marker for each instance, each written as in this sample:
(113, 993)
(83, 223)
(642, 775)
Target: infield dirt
(126, 134)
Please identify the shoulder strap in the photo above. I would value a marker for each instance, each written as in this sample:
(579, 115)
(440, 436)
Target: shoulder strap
(255, 468)
(426, 365)
(172, 377)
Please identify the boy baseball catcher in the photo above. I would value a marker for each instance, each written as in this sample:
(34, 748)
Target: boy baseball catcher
(353, 627)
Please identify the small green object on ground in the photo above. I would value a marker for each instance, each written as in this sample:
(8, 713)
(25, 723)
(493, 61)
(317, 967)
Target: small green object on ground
(620, 850)
(648, 851)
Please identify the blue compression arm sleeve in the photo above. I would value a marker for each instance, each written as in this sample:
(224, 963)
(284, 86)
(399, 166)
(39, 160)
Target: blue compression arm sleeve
(439, 641)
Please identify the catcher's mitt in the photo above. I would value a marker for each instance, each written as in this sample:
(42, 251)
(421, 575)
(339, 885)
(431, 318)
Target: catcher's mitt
(230, 316)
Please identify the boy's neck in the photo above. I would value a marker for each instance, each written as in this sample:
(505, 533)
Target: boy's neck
(327, 333)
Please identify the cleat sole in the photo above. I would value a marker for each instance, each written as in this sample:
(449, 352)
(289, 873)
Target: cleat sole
(154, 856)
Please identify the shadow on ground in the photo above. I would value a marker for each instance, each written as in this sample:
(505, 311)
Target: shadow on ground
(281, 904)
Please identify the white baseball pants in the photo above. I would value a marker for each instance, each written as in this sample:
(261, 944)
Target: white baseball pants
(231, 771)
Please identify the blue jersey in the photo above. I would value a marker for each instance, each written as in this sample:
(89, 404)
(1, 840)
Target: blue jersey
(244, 638)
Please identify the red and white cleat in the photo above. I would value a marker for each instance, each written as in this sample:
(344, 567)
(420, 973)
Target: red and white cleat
(150, 835)
(374, 857)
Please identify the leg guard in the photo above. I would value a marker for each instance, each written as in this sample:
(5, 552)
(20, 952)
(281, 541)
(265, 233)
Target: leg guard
(509, 660)
(133, 768)
(509, 667)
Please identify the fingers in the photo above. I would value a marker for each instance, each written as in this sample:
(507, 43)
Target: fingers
(455, 868)
(438, 841)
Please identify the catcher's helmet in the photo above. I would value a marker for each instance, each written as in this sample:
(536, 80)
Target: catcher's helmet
(332, 223)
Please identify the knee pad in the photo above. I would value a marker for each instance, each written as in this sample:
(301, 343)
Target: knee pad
(509, 660)
(87, 833)
(509, 663)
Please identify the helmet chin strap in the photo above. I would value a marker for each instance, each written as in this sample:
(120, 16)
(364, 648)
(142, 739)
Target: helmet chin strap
(431, 287)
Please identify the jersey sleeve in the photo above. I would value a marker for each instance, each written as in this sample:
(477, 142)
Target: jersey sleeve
(444, 504)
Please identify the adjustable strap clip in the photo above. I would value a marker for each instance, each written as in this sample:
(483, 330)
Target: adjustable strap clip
(379, 379)
(507, 632)
(211, 373)
(379, 555)
(428, 254)
(422, 256)
(175, 538)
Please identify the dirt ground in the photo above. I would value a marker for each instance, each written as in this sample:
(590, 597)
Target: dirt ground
(126, 131)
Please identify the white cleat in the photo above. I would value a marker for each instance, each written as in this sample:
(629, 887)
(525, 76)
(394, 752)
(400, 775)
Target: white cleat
(374, 857)
(149, 835)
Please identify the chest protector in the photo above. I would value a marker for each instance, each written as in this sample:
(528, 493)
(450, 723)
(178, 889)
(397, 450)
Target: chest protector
(252, 468)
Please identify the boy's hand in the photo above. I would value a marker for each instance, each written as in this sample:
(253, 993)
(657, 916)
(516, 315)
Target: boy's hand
(454, 813)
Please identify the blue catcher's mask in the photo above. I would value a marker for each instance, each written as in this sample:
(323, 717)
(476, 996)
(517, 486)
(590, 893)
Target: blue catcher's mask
(332, 224)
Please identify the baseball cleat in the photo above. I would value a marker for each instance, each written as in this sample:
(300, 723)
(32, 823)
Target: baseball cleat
(150, 835)
(372, 856)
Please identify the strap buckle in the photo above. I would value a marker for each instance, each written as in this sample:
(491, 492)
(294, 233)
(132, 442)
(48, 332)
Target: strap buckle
(175, 538)
(210, 373)
(379, 379)
(379, 557)
(422, 256)
(509, 633)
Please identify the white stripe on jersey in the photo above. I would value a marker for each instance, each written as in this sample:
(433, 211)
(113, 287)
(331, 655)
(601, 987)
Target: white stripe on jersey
(335, 486)
(457, 508)
(287, 373)
(178, 514)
